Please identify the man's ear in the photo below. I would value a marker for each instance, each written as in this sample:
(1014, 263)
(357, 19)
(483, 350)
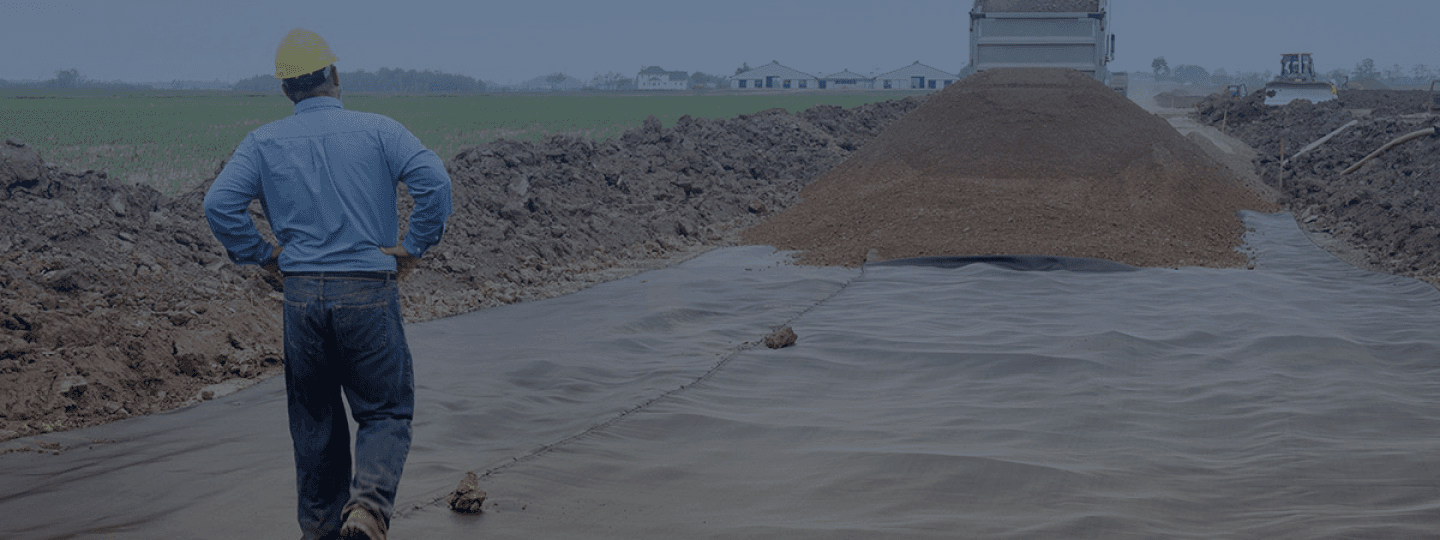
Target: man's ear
(335, 74)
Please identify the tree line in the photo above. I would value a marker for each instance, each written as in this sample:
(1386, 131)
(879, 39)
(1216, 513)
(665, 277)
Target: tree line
(1365, 70)
(69, 78)
(385, 80)
(399, 81)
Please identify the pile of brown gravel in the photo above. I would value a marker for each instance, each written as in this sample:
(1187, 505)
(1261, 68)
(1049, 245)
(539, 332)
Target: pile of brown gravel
(1023, 162)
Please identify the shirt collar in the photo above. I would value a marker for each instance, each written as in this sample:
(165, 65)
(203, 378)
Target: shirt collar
(317, 103)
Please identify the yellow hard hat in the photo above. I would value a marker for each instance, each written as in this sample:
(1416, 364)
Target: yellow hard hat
(301, 52)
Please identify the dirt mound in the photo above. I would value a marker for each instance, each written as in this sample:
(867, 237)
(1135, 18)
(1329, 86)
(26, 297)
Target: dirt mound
(1182, 98)
(1386, 212)
(1386, 102)
(1270, 129)
(1285, 121)
(1035, 161)
(1366, 84)
(118, 301)
(1219, 109)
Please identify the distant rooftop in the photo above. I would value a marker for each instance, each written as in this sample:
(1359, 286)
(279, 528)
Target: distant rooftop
(847, 74)
(916, 70)
(774, 69)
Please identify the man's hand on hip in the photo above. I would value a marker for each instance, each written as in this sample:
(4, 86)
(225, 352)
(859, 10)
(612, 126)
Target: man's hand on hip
(274, 265)
(273, 277)
(404, 263)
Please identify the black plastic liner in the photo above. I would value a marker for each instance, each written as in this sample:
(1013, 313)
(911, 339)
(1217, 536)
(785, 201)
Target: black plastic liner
(1024, 263)
(1292, 400)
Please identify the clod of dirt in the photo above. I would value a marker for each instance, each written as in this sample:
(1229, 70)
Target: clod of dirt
(467, 497)
(1022, 162)
(781, 338)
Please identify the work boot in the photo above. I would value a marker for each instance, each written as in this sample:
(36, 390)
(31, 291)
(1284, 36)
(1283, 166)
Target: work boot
(362, 524)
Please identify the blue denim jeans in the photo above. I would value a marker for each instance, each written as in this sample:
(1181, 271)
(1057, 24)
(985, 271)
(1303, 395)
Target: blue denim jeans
(344, 336)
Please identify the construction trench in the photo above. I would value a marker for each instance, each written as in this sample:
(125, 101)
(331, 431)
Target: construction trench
(594, 310)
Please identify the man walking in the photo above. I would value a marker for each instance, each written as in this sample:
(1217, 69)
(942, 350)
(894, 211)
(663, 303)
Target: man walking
(326, 178)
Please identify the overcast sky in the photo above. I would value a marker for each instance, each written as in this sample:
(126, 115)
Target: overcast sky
(511, 41)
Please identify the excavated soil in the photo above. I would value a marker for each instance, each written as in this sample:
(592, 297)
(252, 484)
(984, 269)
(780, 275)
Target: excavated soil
(117, 301)
(1385, 213)
(1034, 161)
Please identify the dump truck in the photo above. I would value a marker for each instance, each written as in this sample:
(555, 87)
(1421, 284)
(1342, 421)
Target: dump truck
(1071, 34)
(1297, 80)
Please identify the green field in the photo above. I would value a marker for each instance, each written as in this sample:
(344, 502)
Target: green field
(172, 140)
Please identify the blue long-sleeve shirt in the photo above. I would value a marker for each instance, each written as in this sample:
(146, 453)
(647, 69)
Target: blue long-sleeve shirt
(326, 178)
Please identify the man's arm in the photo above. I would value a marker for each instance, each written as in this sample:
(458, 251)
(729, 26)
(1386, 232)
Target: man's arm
(227, 209)
(424, 175)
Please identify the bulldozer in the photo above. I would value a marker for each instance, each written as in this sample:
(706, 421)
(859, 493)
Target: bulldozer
(1297, 81)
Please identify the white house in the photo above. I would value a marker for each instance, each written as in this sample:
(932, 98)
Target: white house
(656, 78)
(915, 76)
(846, 80)
(776, 76)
